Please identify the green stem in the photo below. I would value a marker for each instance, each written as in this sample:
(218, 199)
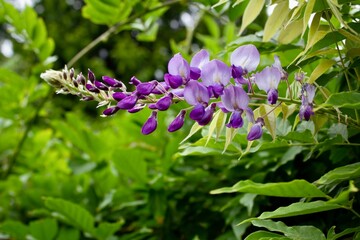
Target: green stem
(113, 29)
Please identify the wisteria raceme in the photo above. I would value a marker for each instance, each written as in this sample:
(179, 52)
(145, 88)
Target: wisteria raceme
(205, 85)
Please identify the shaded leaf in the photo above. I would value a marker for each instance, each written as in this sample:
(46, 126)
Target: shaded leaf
(344, 173)
(264, 235)
(15, 229)
(344, 99)
(44, 229)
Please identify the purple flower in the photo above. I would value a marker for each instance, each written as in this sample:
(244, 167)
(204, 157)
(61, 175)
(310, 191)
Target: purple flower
(216, 74)
(197, 95)
(178, 122)
(100, 85)
(256, 130)
(146, 88)
(268, 80)
(118, 96)
(137, 108)
(160, 88)
(112, 82)
(236, 100)
(243, 60)
(307, 98)
(277, 64)
(91, 88)
(128, 102)
(178, 71)
(91, 76)
(110, 111)
(163, 103)
(197, 62)
(207, 116)
(150, 124)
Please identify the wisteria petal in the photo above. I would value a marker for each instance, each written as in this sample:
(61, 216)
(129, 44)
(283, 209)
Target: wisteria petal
(200, 59)
(272, 96)
(246, 56)
(236, 120)
(195, 73)
(197, 113)
(164, 103)
(174, 81)
(146, 88)
(112, 82)
(268, 78)
(178, 66)
(118, 96)
(128, 102)
(195, 93)
(161, 88)
(310, 92)
(255, 132)
(209, 112)
(110, 111)
(215, 72)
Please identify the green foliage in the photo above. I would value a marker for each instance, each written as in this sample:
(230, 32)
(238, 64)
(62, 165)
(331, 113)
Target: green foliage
(67, 174)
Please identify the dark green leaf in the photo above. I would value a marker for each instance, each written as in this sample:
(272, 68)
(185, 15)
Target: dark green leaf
(15, 229)
(344, 173)
(344, 99)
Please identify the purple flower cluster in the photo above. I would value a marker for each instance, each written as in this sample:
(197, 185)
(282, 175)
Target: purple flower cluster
(204, 84)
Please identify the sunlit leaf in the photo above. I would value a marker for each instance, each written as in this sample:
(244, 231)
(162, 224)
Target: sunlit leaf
(295, 188)
(252, 10)
(290, 32)
(344, 100)
(320, 69)
(308, 10)
(275, 20)
(196, 127)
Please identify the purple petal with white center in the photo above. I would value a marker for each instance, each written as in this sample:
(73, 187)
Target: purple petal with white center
(178, 122)
(272, 96)
(236, 120)
(146, 88)
(195, 93)
(310, 92)
(215, 72)
(112, 82)
(178, 66)
(247, 57)
(128, 102)
(268, 78)
(174, 81)
(235, 98)
(178, 92)
(255, 132)
(150, 125)
(197, 113)
(200, 59)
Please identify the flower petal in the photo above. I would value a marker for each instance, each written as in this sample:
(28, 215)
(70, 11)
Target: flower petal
(247, 57)
(178, 66)
(195, 93)
(215, 72)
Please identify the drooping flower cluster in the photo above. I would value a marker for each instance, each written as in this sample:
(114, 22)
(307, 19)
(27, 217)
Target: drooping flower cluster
(204, 84)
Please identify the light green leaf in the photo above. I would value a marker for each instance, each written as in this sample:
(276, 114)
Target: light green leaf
(295, 188)
(300, 208)
(320, 69)
(344, 100)
(287, 110)
(229, 136)
(344, 173)
(344, 233)
(275, 20)
(350, 36)
(303, 137)
(338, 129)
(252, 10)
(269, 119)
(264, 235)
(44, 229)
(290, 32)
(73, 213)
(150, 34)
(196, 127)
(220, 2)
(308, 10)
(216, 125)
(296, 232)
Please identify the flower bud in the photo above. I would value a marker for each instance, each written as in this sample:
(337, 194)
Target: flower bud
(198, 112)
(100, 85)
(146, 88)
(272, 96)
(150, 124)
(92, 88)
(112, 82)
(91, 76)
(118, 96)
(256, 130)
(178, 122)
(128, 102)
(110, 111)
(164, 102)
(209, 111)
(174, 81)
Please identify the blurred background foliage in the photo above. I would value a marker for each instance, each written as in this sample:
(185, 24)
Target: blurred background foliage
(66, 173)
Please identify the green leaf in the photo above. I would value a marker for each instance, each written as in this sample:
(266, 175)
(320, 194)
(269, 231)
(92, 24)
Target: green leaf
(196, 127)
(344, 173)
(150, 34)
(300, 208)
(275, 20)
(132, 164)
(68, 233)
(296, 232)
(303, 137)
(320, 69)
(15, 229)
(269, 118)
(344, 100)
(252, 10)
(106, 230)
(338, 129)
(73, 213)
(295, 188)
(216, 125)
(308, 10)
(344, 233)
(44, 229)
(229, 136)
(264, 235)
